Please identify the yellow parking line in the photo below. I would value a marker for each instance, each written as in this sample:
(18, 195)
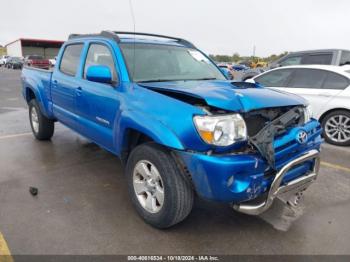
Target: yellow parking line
(343, 168)
(14, 135)
(5, 254)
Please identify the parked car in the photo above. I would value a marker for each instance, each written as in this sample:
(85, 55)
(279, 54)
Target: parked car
(3, 60)
(14, 63)
(336, 57)
(240, 67)
(53, 61)
(37, 61)
(327, 88)
(177, 124)
(245, 63)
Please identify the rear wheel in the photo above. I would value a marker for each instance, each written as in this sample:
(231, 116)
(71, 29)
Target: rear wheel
(160, 192)
(336, 127)
(42, 127)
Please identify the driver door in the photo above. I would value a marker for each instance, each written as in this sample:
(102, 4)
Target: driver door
(98, 103)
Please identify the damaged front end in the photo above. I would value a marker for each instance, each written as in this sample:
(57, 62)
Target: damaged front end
(263, 140)
(272, 163)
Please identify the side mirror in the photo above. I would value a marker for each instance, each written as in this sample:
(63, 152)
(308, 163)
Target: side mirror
(99, 73)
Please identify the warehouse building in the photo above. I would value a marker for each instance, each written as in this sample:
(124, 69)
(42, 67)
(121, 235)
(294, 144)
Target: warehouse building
(25, 46)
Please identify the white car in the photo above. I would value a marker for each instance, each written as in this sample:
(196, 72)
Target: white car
(53, 61)
(327, 88)
(3, 60)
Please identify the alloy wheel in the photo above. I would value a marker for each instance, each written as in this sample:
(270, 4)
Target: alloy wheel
(34, 119)
(337, 128)
(148, 186)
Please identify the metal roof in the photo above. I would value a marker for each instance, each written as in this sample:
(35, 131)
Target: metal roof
(36, 40)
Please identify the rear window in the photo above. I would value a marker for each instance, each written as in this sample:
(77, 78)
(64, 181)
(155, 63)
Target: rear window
(70, 59)
(318, 59)
(335, 81)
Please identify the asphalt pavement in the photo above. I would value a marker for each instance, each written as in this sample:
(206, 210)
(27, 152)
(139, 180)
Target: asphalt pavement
(83, 207)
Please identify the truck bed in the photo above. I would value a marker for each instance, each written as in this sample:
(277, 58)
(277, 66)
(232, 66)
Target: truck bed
(38, 80)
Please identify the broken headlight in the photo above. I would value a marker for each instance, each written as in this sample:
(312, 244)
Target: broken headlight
(307, 113)
(221, 130)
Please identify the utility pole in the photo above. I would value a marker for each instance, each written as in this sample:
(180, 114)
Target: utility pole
(253, 51)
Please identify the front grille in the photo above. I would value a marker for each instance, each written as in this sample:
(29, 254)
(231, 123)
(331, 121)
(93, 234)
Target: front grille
(258, 119)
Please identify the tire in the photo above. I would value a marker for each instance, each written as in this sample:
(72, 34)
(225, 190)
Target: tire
(177, 190)
(336, 127)
(42, 127)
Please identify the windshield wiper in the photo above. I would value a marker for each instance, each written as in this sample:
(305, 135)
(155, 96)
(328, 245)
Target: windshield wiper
(158, 80)
(170, 80)
(204, 78)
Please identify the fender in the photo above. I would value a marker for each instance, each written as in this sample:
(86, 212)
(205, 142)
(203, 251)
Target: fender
(35, 87)
(147, 125)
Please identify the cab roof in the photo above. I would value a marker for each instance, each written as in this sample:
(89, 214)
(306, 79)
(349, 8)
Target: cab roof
(136, 37)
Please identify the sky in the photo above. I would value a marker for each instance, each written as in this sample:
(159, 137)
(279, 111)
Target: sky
(214, 26)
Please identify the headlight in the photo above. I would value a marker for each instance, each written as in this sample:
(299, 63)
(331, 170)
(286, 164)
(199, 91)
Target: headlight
(221, 130)
(307, 113)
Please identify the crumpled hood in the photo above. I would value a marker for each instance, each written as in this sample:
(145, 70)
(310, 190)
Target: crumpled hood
(225, 95)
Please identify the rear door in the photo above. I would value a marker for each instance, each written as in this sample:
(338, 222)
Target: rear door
(65, 83)
(316, 85)
(98, 103)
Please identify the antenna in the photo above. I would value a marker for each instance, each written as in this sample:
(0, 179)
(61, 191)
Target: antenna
(134, 27)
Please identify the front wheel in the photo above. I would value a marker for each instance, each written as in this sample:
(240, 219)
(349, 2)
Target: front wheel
(160, 192)
(42, 127)
(336, 127)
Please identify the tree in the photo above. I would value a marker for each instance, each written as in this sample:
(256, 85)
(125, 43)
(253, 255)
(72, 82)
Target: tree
(236, 57)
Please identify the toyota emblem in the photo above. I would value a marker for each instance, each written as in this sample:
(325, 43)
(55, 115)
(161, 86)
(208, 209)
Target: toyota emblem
(301, 137)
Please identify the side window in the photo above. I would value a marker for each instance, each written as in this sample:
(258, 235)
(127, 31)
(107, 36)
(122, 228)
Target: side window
(100, 55)
(70, 59)
(276, 78)
(345, 58)
(293, 60)
(318, 59)
(335, 81)
(308, 78)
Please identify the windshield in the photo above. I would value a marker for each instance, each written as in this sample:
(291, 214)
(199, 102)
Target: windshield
(156, 62)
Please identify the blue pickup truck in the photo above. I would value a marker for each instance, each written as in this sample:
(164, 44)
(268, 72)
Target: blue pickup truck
(179, 127)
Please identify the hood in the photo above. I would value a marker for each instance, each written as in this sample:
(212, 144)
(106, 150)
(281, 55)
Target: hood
(228, 95)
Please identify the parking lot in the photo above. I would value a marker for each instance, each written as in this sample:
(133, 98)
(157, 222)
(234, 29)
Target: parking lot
(83, 206)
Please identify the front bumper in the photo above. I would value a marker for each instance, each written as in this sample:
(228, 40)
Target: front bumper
(287, 191)
(242, 177)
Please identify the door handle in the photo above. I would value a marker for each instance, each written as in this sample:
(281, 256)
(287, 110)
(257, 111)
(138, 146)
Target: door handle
(79, 91)
(54, 82)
